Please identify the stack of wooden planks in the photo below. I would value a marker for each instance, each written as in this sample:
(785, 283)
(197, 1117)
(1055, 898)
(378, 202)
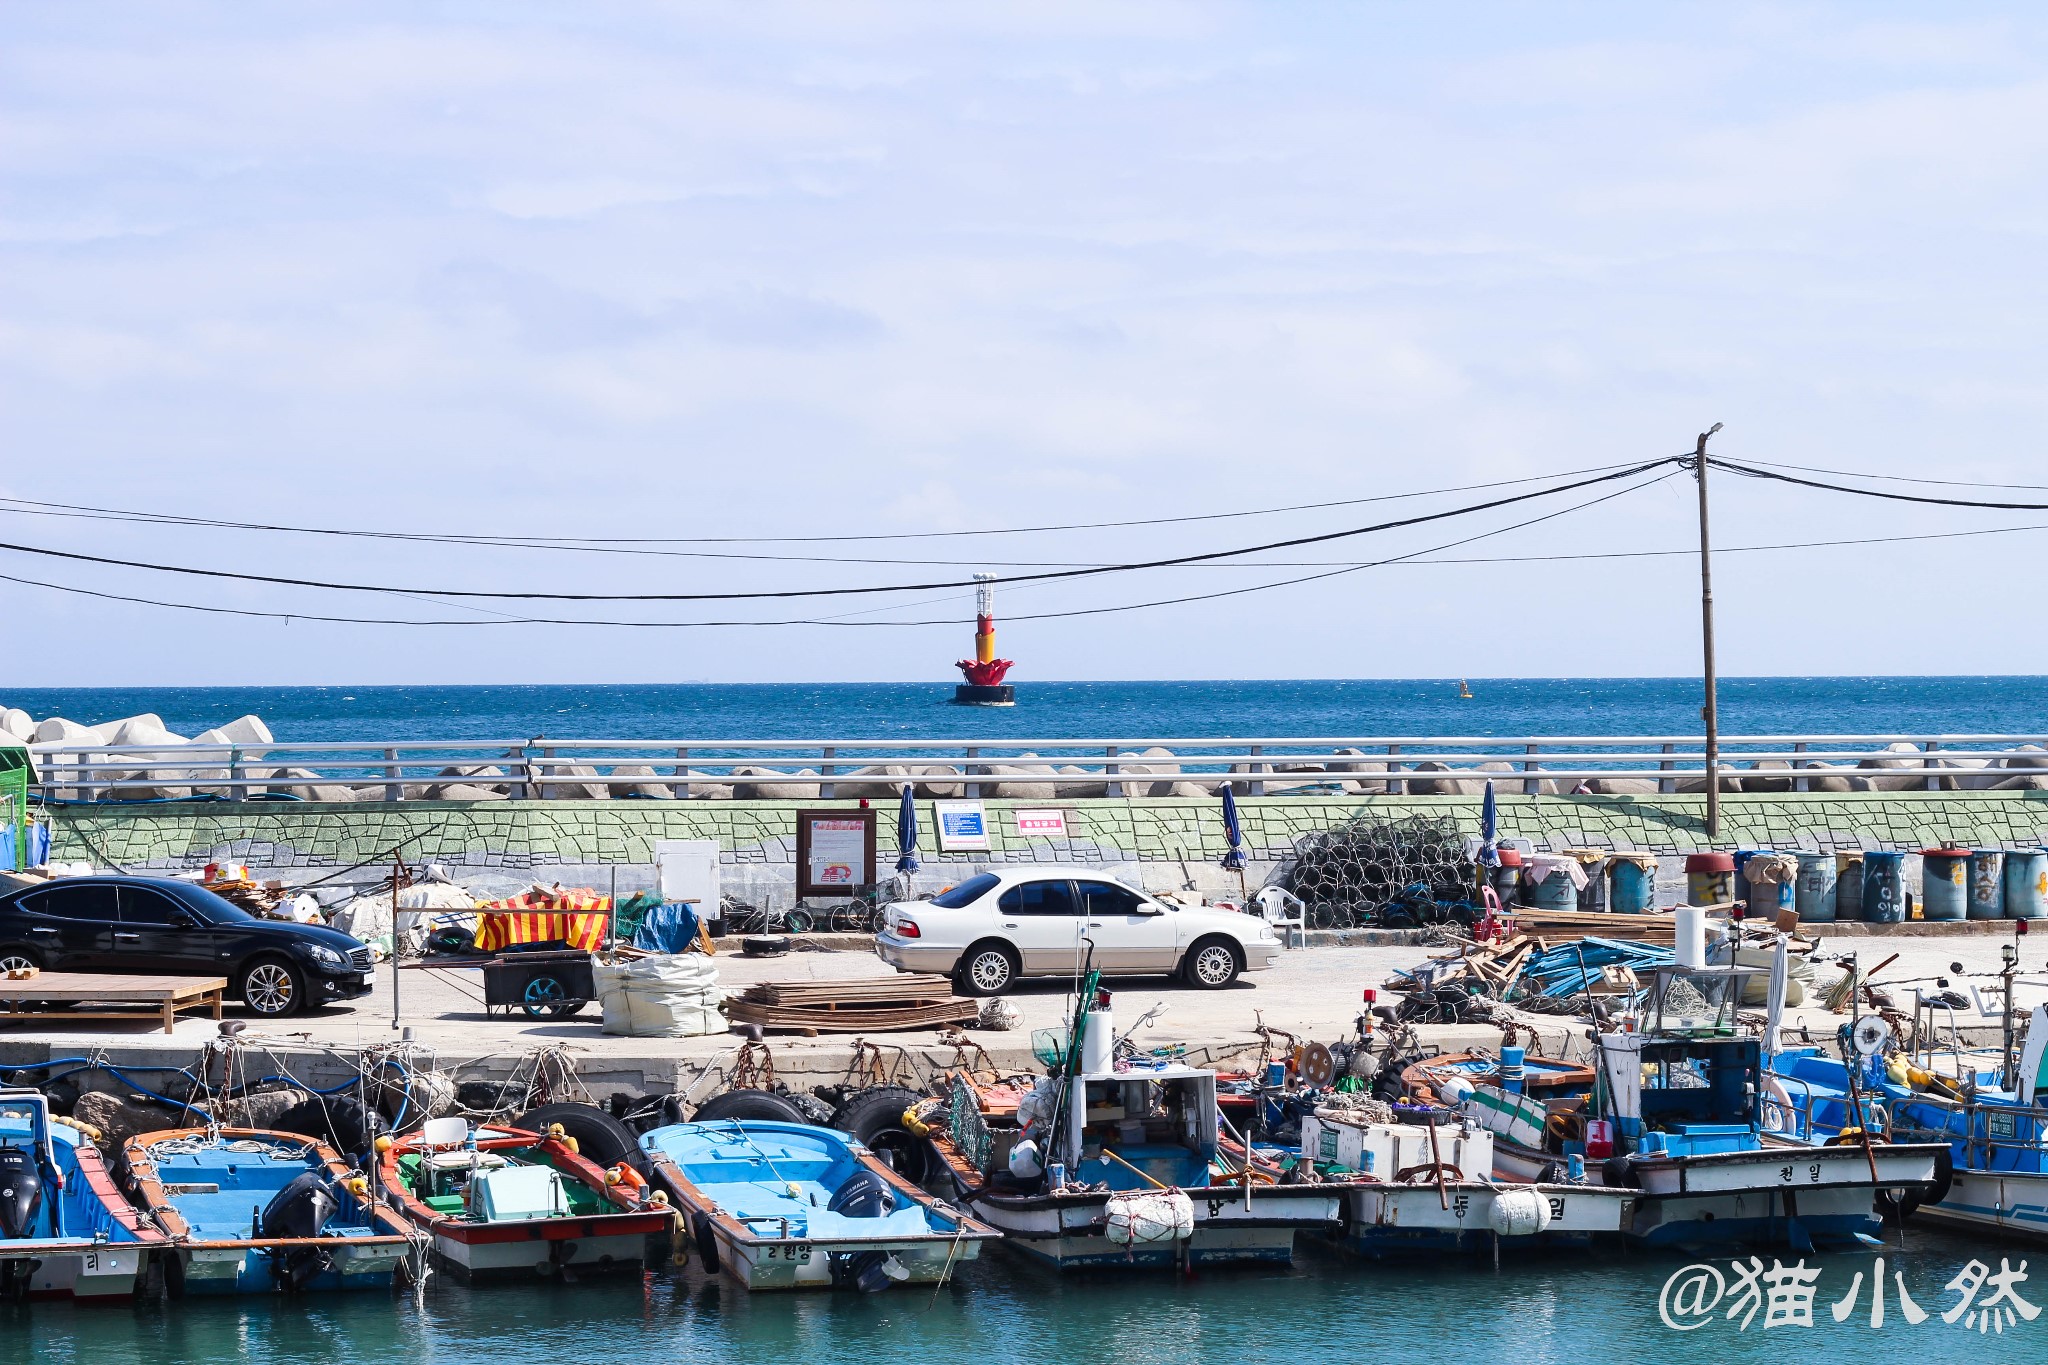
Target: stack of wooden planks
(1558, 926)
(868, 1005)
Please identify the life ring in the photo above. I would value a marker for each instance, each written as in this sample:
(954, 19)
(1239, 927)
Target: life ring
(1777, 1107)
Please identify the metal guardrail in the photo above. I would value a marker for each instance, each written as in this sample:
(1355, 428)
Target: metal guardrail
(828, 769)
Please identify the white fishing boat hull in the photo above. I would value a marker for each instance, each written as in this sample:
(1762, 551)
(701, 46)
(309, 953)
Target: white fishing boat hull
(534, 1255)
(102, 1272)
(1380, 1219)
(1779, 1194)
(799, 1264)
(1067, 1230)
(2012, 1202)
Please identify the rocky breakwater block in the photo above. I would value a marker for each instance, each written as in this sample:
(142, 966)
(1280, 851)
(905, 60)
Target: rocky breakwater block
(17, 724)
(473, 782)
(1508, 781)
(57, 730)
(1902, 767)
(649, 790)
(307, 785)
(153, 746)
(1153, 773)
(776, 787)
(2026, 756)
(1020, 781)
(560, 782)
(228, 745)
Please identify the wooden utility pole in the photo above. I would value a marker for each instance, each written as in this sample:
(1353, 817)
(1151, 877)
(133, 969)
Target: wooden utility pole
(1708, 712)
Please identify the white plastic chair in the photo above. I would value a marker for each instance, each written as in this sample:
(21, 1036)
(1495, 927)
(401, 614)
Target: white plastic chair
(1274, 903)
(443, 1133)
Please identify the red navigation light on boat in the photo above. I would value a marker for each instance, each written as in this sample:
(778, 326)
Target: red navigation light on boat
(1369, 995)
(1101, 999)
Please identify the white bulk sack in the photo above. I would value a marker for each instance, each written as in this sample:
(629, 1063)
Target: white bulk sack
(1148, 1216)
(659, 996)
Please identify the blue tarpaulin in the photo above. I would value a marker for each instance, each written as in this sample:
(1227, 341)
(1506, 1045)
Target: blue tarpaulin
(667, 929)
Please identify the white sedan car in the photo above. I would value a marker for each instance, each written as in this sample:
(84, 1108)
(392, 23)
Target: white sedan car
(997, 926)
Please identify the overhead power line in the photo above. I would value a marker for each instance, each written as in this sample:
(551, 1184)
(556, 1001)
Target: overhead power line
(846, 620)
(633, 545)
(791, 593)
(1754, 472)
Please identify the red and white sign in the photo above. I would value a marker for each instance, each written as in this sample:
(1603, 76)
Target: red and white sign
(1042, 824)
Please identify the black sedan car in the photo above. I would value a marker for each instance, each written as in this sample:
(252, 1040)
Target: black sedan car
(152, 926)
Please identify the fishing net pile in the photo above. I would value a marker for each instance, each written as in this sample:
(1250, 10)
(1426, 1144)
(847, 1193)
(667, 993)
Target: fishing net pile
(1375, 870)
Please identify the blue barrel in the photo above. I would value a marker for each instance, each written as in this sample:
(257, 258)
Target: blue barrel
(1884, 887)
(1987, 884)
(1849, 886)
(1944, 883)
(1816, 888)
(2026, 884)
(1555, 891)
(1635, 886)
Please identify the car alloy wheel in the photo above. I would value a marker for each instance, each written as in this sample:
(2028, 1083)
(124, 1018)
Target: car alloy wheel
(990, 970)
(269, 989)
(1215, 965)
(15, 962)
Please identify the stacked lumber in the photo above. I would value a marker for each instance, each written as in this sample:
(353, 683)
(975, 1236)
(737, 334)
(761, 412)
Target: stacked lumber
(870, 1005)
(1557, 926)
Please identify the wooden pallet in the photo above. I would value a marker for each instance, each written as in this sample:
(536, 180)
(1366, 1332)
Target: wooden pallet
(906, 987)
(1555, 926)
(60, 997)
(877, 1016)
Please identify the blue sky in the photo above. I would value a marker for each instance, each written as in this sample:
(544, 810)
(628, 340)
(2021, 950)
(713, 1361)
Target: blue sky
(772, 270)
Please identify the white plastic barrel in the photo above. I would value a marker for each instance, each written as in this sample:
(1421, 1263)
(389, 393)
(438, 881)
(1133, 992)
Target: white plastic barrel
(1098, 1044)
(1689, 926)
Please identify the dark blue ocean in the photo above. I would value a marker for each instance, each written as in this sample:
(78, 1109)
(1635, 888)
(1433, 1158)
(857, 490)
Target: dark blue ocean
(704, 712)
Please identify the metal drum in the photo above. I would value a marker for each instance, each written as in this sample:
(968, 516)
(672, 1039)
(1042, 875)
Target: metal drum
(1944, 883)
(1555, 891)
(1709, 878)
(1507, 878)
(1593, 895)
(1815, 893)
(1635, 883)
(1766, 898)
(1849, 886)
(1884, 887)
(1987, 884)
(2026, 884)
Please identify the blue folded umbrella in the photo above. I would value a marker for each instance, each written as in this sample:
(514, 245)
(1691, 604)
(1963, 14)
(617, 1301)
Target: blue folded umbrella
(906, 833)
(1233, 860)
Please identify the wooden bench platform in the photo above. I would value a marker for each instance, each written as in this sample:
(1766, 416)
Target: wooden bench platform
(81, 995)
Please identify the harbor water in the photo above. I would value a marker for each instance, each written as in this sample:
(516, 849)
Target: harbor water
(1537, 1309)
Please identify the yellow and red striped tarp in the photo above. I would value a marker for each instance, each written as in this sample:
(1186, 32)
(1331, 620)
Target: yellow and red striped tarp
(578, 918)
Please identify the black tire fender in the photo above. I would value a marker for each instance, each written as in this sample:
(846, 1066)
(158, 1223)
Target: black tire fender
(875, 1118)
(347, 1125)
(600, 1138)
(748, 1104)
(706, 1240)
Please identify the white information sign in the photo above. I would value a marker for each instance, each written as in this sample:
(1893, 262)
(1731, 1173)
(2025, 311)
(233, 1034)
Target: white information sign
(963, 826)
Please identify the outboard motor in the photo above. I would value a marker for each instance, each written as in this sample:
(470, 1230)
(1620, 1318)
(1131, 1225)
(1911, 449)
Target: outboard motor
(301, 1209)
(866, 1195)
(21, 1193)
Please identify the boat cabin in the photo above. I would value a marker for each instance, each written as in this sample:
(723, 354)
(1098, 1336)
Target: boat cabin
(1687, 1085)
(1160, 1120)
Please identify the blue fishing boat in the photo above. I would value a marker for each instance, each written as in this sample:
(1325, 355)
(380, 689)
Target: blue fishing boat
(249, 1211)
(790, 1206)
(65, 1229)
(1982, 1106)
(1677, 1114)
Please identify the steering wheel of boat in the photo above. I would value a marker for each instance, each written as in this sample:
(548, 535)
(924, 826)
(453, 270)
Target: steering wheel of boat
(546, 997)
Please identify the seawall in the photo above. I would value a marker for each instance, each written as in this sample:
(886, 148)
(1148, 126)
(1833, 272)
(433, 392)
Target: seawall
(1169, 842)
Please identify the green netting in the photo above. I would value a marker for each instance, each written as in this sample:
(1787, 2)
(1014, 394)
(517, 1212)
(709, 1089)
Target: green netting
(967, 1128)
